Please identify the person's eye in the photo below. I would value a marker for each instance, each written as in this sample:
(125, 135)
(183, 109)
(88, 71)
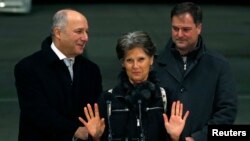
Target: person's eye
(78, 31)
(141, 59)
(175, 29)
(129, 60)
(186, 29)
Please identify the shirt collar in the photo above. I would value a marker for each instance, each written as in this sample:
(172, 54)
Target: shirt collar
(59, 54)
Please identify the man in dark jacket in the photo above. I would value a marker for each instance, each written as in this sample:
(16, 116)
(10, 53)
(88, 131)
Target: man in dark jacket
(52, 98)
(201, 79)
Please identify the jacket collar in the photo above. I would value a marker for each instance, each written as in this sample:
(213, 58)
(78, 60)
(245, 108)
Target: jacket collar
(170, 49)
(167, 58)
(50, 56)
(124, 87)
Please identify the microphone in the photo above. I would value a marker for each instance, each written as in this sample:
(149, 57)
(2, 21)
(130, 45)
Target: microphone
(139, 122)
(108, 102)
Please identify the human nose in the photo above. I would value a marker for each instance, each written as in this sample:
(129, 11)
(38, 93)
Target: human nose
(85, 36)
(135, 64)
(180, 33)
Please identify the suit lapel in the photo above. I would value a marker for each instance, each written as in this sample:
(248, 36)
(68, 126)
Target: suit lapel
(170, 65)
(172, 68)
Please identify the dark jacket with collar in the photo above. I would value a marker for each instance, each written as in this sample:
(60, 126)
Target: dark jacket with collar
(50, 102)
(206, 88)
(125, 111)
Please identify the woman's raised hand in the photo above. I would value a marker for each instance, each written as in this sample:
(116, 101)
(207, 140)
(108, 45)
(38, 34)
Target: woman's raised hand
(176, 123)
(94, 124)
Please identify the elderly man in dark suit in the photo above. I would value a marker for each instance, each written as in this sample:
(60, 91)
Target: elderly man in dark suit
(51, 93)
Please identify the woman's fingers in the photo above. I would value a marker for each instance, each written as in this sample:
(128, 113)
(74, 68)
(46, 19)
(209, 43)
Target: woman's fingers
(177, 108)
(96, 110)
(91, 114)
(86, 112)
(185, 116)
(165, 117)
(173, 108)
(82, 121)
(181, 109)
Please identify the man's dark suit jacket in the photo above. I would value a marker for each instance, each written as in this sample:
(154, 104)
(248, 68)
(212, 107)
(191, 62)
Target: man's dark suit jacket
(50, 102)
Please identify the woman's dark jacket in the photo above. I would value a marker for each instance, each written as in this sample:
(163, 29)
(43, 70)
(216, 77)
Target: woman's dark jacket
(124, 116)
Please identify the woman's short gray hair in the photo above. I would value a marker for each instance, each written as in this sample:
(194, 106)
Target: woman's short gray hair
(132, 40)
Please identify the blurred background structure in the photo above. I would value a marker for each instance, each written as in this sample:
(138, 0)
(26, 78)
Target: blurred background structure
(226, 28)
(15, 6)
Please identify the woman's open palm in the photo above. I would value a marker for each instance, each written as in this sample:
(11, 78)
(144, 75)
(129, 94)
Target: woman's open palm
(94, 124)
(175, 124)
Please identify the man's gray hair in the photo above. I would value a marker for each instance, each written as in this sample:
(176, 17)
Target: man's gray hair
(59, 20)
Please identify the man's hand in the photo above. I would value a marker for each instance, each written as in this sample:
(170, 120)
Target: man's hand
(81, 133)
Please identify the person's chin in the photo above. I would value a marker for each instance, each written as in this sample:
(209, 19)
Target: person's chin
(80, 49)
(79, 52)
(180, 45)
